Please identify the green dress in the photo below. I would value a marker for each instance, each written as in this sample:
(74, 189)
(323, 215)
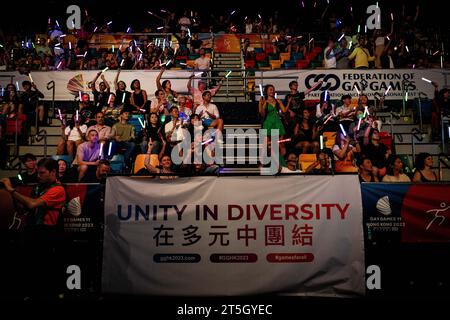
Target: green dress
(273, 120)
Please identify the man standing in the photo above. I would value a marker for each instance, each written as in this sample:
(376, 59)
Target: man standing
(43, 225)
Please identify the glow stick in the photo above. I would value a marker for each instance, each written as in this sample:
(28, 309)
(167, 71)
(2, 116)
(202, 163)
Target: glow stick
(73, 24)
(350, 44)
(356, 88)
(359, 28)
(159, 28)
(312, 39)
(276, 97)
(59, 64)
(365, 29)
(392, 16)
(387, 90)
(303, 4)
(142, 124)
(340, 38)
(17, 86)
(198, 74)
(406, 96)
(359, 124)
(84, 55)
(330, 116)
(326, 95)
(109, 23)
(3, 91)
(70, 45)
(426, 80)
(189, 32)
(77, 116)
(112, 47)
(101, 150)
(60, 115)
(163, 118)
(79, 95)
(123, 96)
(388, 38)
(62, 36)
(20, 177)
(321, 142)
(183, 64)
(31, 79)
(207, 141)
(49, 20)
(57, 45)
(232, 12)
(284, 140)
(414, 66)
(95, 29)
(104, 70)
(128, 29)
(57, 23)
(407, 49)
(259, 16)
(436, 53)
(227, 75)
(122, 62)
(366, 111)
(135, 43)
(142, 110)
(261, 90)
(109, 149)
(342, 129)
(109, 98)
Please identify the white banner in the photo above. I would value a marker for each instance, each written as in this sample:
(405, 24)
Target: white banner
(199, 236)
(62, 78)
(337, 82)
(340, 82)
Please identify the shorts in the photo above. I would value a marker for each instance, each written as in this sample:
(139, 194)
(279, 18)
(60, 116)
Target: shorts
(207, 122)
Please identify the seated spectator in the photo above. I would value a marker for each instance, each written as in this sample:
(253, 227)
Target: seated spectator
(88, 154)
(124, 136)
(423, 172)
(104, 131)
(346, 113)
(10, 101)
(323, 161)
(172, 129)
(160, 105)
(111, 111)
(394, 171)
(165, 168)
(72, 137)
(30, 174)
(305, 134)
(366, 171)
(64, 174)
(209, 113)
(166, 86)
(344, 153)
(152, 135)
(122, 98)
(185, 112)
(138, 98)
(292, 164)
(100, 174)
(375, 151)
(202, 63)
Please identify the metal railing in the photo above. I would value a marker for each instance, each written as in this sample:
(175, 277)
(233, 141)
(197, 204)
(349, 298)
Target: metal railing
(42, 135)
(51, 86)
(416, 135)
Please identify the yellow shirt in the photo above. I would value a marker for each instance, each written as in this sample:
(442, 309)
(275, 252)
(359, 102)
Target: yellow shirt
(361, 56)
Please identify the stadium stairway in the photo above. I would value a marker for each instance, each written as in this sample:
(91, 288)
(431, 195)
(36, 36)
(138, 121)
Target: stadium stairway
(232, 89)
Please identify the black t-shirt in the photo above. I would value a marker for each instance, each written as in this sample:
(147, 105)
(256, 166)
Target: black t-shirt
(101, 98)
(297, 103)
(30, 99)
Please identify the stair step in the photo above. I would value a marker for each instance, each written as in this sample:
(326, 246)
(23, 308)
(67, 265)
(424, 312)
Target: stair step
(52, 130)
(36, 150)
(406, 148)
(51, 141)
(230, 99)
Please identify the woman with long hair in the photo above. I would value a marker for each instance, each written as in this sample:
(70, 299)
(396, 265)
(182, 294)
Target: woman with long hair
(423, 173)
(394, 171)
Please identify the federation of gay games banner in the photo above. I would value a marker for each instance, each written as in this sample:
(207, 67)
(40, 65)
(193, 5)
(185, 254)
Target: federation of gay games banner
(234, 236)
(406, 212)
(340, 82)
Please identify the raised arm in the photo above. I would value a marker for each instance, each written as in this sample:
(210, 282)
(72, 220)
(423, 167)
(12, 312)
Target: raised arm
(108, 88)
(158, 79)
(95, 80)
(313, 87)
(116, 80)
